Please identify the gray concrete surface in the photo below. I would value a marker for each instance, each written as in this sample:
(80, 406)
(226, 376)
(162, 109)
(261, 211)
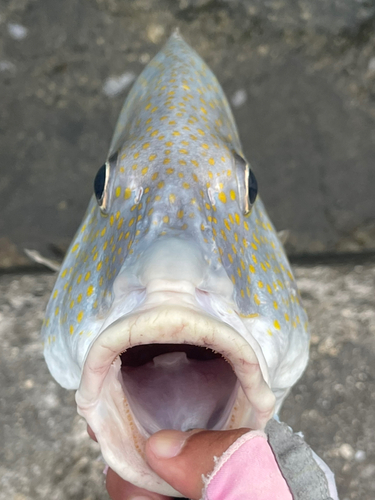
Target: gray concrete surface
(46, 454)
(300, 76)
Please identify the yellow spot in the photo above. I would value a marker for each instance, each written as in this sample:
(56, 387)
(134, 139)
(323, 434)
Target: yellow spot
(152, 157)
(144, 170)
(90, 290)
(226, 223)
(275, 304)
(71, 329)
(254, 258)
(79, 298)
(276, 324)
(195, 163)
(211, 161)
(172, 198)
(180, 214)
(222, 197)
(166, 219)
(252, 315)
(99, 265)
(57, 311)
(87, 276)
(269, 289)
(256, 299)
(75, 247)
(127, 193)
(230, 258)
(201, 132)
(160, 184)
(55, 294)
(71, 305)
(80, 316)
(183, 151)
(111, 220)
(185, 185)
(135, 155)
(146, 145)
(118, 191)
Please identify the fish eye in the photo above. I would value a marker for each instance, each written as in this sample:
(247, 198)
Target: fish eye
(102, 183)
(99, 184)
(253, 187)
(247, 184)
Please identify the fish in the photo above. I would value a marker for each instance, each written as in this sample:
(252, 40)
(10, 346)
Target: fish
(175, 306)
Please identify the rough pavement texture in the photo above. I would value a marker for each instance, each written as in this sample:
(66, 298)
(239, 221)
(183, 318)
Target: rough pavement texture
(300, 76)
(45, 452)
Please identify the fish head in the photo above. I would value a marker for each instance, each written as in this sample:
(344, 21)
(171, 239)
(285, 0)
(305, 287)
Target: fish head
(175, 307)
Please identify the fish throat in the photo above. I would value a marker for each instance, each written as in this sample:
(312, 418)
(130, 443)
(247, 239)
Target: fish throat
(178, 386)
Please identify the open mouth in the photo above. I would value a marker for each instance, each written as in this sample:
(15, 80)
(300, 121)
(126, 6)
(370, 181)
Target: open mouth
(169, 367)
(178, 386)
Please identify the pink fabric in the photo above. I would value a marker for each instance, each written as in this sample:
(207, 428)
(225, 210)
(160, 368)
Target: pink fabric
(247, 471)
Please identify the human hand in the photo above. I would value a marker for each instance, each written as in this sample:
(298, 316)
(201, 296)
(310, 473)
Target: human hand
(180, 458)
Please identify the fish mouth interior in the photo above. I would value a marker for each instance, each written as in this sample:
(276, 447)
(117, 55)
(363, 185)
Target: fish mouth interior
(178, 386)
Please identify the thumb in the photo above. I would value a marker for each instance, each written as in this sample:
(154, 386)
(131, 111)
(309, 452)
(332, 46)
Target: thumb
(181, 458)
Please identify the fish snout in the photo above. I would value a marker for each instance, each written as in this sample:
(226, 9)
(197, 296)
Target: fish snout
(172, 261)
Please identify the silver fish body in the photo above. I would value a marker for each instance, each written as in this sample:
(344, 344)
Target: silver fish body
(175, 306)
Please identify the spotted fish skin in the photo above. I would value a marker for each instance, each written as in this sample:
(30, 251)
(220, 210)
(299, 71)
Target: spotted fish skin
(174, 177)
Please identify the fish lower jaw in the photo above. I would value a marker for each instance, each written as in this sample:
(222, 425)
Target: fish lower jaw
(168, 367)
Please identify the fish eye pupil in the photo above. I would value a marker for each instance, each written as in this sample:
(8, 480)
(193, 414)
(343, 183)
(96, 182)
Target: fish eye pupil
(99, 183)
(253, 187)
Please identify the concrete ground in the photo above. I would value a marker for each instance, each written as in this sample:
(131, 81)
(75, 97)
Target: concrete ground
(45, 452)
